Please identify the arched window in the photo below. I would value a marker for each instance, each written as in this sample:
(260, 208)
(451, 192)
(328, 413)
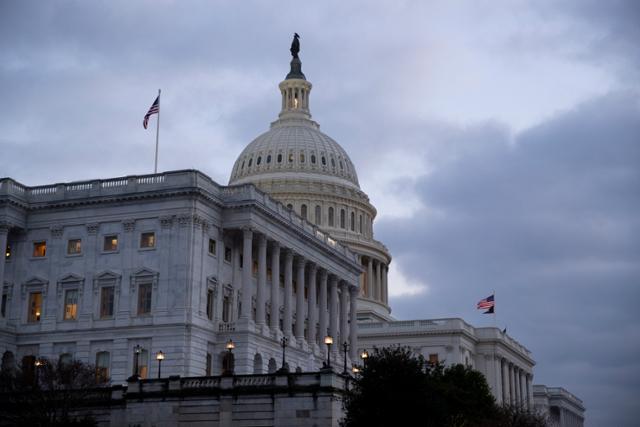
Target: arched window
(333, 162)
(341, 165)
(269, 159)
(324, 161)
(290, 206)
(242, 167)
(313, 159)
(259, 160)
(353, 221)
(257, 364)
(301, 157)
(342, 219)
(250, 161)
(291, 157)
(279, 158)
(303, 211)
(318, 217)
(273, 366)
(102, 366)
(330, 217)
(360, 224)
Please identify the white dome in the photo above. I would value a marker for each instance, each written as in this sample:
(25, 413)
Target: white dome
(294, 148)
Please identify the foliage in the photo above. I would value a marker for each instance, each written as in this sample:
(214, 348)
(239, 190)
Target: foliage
(47, 394)
(396, 387)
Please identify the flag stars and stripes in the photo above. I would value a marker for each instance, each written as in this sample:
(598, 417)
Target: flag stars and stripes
(155, 108)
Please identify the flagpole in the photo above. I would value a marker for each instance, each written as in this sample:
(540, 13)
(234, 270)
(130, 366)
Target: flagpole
(494, 308)
(155, 166)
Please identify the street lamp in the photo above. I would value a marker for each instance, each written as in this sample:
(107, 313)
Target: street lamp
(283, 343)
(228, 366)
(230, 345)
(364, 356)
(136, 362)
(38, 363)
(159, 358)
(355, 369)
(328, 340)
(345, 348)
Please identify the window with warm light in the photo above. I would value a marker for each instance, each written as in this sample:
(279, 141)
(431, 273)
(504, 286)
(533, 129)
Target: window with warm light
(39, 249)
(107, 294)
(148, 240)
(110, 243)
(143, 364)
(35, 306)
(71, 304)
(102, 366)
(433, 359)
(74, 247)
(144, 298)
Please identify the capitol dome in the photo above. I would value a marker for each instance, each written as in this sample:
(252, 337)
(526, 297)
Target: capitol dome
(311, 174)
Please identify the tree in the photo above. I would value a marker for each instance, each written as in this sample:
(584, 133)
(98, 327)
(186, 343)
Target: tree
(47, 393)
(396, 387)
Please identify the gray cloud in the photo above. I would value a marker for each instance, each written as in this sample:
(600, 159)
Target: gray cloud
(548, 221)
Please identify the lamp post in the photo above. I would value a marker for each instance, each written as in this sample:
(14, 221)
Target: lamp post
(229, 368)
(345, 348)
(364, 356)
(328, 340)
(159, 358)
(283, 343)
(136, 362)
(38, 363)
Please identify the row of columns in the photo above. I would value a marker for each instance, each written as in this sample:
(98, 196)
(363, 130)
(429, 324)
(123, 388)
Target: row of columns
(339, 317)
(375, 285)
(514, 385)
(4, 232)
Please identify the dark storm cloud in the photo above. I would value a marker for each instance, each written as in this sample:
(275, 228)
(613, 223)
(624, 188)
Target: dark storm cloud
(549, 220)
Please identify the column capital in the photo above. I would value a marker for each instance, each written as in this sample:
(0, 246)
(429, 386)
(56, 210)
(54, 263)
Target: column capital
(5, 227)
(312, 266)
(324, 274)
(288, 253)
(300, 260)
(275, 245)
(262, 239)
(247, 232)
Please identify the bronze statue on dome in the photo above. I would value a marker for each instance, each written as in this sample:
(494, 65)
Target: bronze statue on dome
(295, 45)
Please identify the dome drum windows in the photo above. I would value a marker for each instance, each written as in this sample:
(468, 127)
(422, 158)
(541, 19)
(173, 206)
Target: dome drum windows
(250, 161)
(313, 158)
(268, 158)
(331, 217)
(353, 221)
(279, 157)
(301, 157)
(343, 219)
(259, 160)
(290, 156)
(318, 216)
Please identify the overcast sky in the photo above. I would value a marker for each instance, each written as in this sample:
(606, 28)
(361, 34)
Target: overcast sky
(500, 142)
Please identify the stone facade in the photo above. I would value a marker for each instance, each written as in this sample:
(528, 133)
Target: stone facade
(168, 262)
(558, 406)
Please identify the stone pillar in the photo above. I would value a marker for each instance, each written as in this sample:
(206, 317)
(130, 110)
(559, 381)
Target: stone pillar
(262, 280)
(498, 379)
(369, 278)
(247, 279)
(313, 309)
(512, 387)
(529, 392)
(353, 335)
(385, 284)
(333, 311)
(378, 289)
(275, 287)
(4, 232)
(344, 312)
(300, 299)
(288, 293)
(323, 306)
(521, 381)
(506, 393)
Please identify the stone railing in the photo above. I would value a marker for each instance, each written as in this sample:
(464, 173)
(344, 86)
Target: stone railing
(173, 180)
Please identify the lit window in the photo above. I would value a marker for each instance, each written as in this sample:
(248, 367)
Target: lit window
(39, 249)
(71, 304)
(144, 298)
(433, 359)
(210, 304)
(74, 247)
(110, 243)
(227, 254)
(143, 364)
(102, 366)
(212, 247)
(148, 240)
(35, 306)
(106, 301)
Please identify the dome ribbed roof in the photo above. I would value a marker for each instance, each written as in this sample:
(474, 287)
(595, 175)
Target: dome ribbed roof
(294, 148)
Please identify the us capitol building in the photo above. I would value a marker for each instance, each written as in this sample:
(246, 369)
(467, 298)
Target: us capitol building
(113, 271)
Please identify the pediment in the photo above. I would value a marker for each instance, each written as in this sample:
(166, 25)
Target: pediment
(107, 275)
(71, 278)
(145, 272)
(35, 281)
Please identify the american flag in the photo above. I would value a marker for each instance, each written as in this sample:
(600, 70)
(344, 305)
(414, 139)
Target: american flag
(155, 108)
(488, 304)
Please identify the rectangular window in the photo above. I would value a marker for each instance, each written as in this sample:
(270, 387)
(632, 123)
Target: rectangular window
(148, 240)
(35, 306)
(208, 366)
(227, 253)
(433, 359)
(210, 304)
(106, 301)
(144, 298)
(212, 247)
(3, 308)
(110, 243)
(102, 366)
(226, 304)
(74, 247)
(71, 304)
(39, 249)
(143, 360)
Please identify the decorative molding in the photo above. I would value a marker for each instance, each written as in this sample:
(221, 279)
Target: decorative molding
(143, 274)
(35, 283)
(92, 229)
(106, 278)
(185, 220)
(129, 225)
(56, 231)
(166, 221)
(68, 281)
